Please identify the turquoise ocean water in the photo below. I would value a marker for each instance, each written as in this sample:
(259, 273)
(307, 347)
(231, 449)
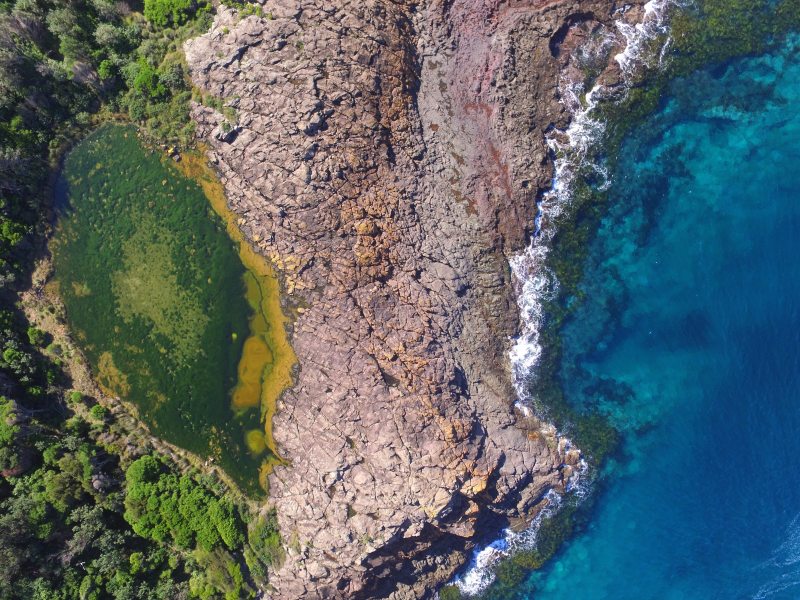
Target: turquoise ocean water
(692, 327)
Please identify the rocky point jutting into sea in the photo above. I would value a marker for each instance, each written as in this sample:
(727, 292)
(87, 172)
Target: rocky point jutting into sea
(388, 158)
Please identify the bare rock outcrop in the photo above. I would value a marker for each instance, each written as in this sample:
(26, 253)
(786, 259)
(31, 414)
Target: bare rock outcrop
(387, 156)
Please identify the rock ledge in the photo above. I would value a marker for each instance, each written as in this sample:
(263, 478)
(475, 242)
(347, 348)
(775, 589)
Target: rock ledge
(386, 155)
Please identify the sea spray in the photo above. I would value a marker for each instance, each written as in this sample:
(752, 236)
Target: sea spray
(572, 148)
(481, 572)
(784, 560)
(536, 284)
(638, 37)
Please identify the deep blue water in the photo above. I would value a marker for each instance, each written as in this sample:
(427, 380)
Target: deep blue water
(693, 317)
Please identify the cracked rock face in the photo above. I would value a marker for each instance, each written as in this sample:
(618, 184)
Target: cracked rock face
(386, 156)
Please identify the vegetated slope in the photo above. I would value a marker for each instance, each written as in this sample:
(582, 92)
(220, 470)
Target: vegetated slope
(154, 291)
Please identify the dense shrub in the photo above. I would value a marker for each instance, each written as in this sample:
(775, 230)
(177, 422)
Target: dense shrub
(99, 412)
(180, 510)
(172, 12)
(62, 492)
(166, 507)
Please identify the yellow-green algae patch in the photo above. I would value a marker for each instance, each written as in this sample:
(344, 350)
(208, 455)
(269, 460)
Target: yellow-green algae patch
(147, 286)
(265, 368)
(174, 310)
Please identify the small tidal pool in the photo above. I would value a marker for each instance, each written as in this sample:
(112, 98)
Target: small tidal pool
(174, 310)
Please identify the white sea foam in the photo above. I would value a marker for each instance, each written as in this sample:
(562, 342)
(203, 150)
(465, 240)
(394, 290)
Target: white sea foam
(572, 148)
(784, 561)
(638, 37)
(535, 284)
(481, 571)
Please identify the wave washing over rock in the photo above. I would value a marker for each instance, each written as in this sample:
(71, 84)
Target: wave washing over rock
(573, 148)
(535, 284)
(387, 157)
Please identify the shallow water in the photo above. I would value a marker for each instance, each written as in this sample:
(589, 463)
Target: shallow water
(689, 340)
(155, 293)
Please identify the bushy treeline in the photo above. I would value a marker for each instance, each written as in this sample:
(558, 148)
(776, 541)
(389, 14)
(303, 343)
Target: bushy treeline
(61, 531)
(75, 522)
(63, 61)
(80, 519)
(166, 507)
(81, 514)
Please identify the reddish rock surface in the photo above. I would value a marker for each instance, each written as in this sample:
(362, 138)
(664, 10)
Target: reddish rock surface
(387, 155)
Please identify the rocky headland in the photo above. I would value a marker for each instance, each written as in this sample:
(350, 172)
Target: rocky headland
(387, 156)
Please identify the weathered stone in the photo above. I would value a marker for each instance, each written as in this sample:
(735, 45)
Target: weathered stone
(387, 159)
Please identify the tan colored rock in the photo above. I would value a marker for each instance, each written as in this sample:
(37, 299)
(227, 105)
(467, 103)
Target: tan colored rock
(388, 155)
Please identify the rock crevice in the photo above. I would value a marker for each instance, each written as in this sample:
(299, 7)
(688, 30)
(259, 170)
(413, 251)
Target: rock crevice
(387, 157)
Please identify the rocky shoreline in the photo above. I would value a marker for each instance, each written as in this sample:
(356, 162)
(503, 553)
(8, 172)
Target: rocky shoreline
(387, 157)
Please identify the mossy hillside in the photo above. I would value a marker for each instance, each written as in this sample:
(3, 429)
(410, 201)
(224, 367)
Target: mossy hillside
(153, 290)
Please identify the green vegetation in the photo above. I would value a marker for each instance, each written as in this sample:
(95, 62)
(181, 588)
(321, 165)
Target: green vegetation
(64, 67)
(98, 412)
(147, 286)
(9, 430)
(65, 60)
(164, 507)
(253, 9)
(450, 592)
(79, 518)
(164, 13)
(62, 535)
(265, 547)
(267, 362)
(154, 289)
(62, 62)
(179, 510)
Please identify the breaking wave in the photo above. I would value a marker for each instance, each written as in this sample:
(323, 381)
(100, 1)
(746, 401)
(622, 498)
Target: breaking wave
(572, 148)
(786, 561)
(638, 37)
(481, 572)
(535, 284)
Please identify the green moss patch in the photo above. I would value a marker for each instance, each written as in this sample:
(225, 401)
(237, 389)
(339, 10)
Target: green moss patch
(154, 292)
